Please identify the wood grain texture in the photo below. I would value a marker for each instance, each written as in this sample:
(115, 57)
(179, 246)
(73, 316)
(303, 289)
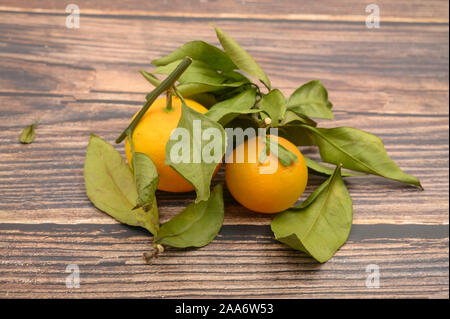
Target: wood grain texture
(352, 10)
(242, 262)
(391, 81)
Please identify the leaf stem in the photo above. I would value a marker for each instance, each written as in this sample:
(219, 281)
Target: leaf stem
(164, 86)
(267, 87)
(149, 257)
(179, 95)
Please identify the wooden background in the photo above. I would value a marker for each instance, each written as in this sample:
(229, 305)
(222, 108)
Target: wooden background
(391, 81)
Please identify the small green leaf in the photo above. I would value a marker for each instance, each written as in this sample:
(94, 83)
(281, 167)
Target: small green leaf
(311, 99)
(226, 111)
(358, 151)
(145, 177)
(28, 134)
(111, 188)
(196, 225)
(311, 197)
(187, 89)
(274, 104)
(200, 51)
(285, 156)
(197, 72)
(291, 118)
(234, 76)
(297, 134)
(263, 155)
(323, 225)
(241, 58)
(321, 169)
(199, 78)
(194, 168)
(291, 128)
(205, 99)
(150, 78)
(193, 89)
(242, 121)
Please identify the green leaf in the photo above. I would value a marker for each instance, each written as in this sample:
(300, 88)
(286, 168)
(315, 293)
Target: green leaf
(197, 72)
(200, 51)
(291, 128)
(321, 169)
(146, 180)
(187, 89)
(196, 225)
(263, 155)
(190, 89)
(241, 58)
(274, 104)
(194, 89)
(358, 151)
(145, 177)
(234, 76)
(242, 121)
(323, 226)
(205, 99)
(194, 168)
(226, 111)
(285, 156)
(196, 80)
(291, 118)
(27, 136)
(111, 188)
(311, 99)
(150, 78)
(311, 198)
(297, 134)
(199, 78)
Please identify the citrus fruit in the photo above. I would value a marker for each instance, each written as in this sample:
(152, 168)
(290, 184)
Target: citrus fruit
(272, 192)
(151, 136)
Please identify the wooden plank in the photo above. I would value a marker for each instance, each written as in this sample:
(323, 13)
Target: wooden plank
(244, 263)
(353, 10)
(381, 70)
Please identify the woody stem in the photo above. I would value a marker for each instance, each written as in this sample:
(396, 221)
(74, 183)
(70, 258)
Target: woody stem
(164, 86)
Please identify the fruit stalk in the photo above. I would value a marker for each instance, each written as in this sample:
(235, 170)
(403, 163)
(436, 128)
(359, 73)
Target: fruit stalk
(164, 86)
(169, 100)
